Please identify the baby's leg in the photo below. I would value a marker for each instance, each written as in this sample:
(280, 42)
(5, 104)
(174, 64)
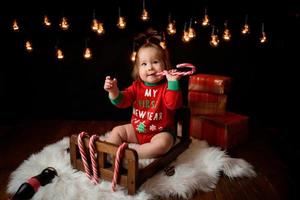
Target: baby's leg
(160, 144)
(122, 133)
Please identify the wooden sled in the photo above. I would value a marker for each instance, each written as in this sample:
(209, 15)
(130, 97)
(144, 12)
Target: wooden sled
(133, 177)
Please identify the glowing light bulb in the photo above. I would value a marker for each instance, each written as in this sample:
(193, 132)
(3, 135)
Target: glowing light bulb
(163, 43)
(47, 21)
(100, 30)
(185, 38)
(263, 37)
(145, 15)
(226, 35)
(28, 46)
(191, 33)
(64, 24)
(214, 42)
(171, 29)
(205, 21)
(133, 56)
(94, 25)
(15, 25)
(245, 29)
(59, 54)
(87, 53)
(121, 23)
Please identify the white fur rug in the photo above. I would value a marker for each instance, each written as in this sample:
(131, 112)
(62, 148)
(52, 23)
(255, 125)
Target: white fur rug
(198, 168)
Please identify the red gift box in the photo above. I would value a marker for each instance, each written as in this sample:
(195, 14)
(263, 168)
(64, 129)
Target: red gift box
(227, 130)
(203, 103)
(209, 83)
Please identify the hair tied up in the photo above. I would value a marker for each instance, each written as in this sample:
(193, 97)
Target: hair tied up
(150, 36)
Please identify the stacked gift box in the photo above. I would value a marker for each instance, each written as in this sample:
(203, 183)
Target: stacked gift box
(210, 121)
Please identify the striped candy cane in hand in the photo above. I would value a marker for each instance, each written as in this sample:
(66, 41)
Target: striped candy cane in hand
(175, 72)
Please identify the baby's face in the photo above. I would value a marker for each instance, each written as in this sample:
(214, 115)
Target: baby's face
(150, 62)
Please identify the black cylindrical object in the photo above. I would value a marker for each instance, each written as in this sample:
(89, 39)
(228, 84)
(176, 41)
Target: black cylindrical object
(31, 186)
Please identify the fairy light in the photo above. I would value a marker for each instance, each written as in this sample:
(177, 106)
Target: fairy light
(185, 37)
(94, 25)
(15, 26)
(87, 54)
(246, 28)
(100, 30)
(205, 21)
(171, 28)
(28, 46)
(163, 41)
(64, 24)
(47, 21)
(263, 37)
(145, 15)
(226, 32)
(214, 42)
(121, 21)
(59, 54)
(188, 32)
(133, 54)
(191, 31)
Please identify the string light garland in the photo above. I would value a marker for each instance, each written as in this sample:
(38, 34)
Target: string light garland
(188, 34)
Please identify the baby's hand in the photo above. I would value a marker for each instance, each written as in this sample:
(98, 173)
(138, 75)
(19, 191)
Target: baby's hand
(110, 85)
(171, 77)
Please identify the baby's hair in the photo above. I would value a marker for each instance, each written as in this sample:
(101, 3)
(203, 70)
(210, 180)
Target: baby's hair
(150, 43)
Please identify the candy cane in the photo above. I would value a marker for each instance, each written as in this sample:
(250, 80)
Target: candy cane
(95, 177)
(174, 72)
(83, 154)
(93, 153)
(118, 158)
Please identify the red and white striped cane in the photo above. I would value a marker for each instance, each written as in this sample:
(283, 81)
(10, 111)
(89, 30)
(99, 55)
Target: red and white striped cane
(118, 159)
(83, 154)
(93, 154)
(175, 72)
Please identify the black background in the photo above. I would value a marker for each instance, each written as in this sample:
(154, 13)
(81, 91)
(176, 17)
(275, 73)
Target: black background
(38, 86)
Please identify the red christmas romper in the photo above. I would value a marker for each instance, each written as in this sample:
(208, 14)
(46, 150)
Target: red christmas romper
(153, 105)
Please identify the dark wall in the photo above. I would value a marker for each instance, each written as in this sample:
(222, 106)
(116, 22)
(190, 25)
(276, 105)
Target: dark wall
(36, 85)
